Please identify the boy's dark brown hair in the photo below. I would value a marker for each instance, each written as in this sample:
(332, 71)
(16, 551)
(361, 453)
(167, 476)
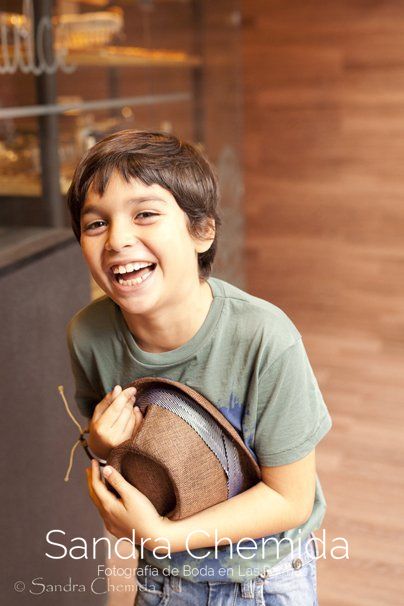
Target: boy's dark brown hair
(152, 157)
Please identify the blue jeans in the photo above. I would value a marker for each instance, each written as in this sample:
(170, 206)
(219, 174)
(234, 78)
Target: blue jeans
(291, 582)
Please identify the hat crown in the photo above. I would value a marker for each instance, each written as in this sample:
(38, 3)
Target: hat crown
(185, 407)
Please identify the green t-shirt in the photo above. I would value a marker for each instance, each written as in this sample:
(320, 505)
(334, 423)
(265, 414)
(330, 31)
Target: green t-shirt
(248, 359)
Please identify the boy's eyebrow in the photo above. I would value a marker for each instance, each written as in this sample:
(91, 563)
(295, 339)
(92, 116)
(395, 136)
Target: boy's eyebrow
(93, 208)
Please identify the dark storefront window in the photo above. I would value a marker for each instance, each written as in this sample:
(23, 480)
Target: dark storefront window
(72, 72)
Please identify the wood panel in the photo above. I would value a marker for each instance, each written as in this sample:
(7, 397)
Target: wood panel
(323, 158)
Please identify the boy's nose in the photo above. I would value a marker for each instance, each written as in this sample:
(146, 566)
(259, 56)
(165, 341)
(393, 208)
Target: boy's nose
(119, 237)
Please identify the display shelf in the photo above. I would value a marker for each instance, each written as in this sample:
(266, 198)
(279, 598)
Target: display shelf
(120, 56)
(30, 111)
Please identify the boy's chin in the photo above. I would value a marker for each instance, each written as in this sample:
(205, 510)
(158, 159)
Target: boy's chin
(135, 304)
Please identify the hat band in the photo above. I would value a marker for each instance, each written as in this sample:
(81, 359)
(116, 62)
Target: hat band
(205, 426)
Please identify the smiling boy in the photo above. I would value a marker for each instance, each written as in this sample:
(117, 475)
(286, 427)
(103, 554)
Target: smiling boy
(149, 269)
(144, 209)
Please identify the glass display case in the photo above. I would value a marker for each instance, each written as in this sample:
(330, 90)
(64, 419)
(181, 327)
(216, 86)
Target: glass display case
(73, 71)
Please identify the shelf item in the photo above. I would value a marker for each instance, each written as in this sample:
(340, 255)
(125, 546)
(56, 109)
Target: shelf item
(72, 31)
(132, 56)
(87, 30)
(13, 20)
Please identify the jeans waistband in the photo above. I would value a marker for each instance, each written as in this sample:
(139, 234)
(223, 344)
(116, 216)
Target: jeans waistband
(300, 555)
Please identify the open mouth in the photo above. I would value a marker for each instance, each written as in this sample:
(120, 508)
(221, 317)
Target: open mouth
(135, 276)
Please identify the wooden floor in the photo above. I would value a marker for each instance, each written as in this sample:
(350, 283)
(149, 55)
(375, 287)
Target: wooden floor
(324, 171)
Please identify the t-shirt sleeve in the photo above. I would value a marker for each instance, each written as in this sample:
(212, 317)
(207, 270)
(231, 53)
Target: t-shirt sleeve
(85, 395)
(292, 416)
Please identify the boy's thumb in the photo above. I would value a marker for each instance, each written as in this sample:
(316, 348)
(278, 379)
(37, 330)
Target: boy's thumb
(116, 480)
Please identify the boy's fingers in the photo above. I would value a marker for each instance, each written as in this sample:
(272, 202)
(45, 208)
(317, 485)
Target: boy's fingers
(126, 397)
(138, 417)
(117, 481)
(138, 414)
(104, 496)
(118, 427)
(129, 427)
(129, 391)
(107, 400)
(112, 395)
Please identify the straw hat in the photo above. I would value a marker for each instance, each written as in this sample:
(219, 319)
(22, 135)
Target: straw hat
(186, 456)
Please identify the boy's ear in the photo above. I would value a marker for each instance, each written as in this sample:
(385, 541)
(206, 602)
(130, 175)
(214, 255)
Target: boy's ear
(207, 233)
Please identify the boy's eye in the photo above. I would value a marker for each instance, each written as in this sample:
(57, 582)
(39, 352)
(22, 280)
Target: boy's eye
(94, 225)
(97, 224)
(146, 215)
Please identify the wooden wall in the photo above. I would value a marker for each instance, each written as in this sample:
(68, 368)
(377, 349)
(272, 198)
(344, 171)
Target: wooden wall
(324, 170)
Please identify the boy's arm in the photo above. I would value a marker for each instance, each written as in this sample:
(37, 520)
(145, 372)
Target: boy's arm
(282, 500)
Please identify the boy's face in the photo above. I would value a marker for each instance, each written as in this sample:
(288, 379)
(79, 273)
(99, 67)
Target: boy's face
(137, 245)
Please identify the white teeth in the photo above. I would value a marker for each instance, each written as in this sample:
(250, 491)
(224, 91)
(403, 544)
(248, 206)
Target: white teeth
(123, 269)
(135, 281)
(140, 265)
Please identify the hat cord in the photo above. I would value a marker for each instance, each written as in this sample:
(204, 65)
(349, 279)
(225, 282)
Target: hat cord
(82, 431)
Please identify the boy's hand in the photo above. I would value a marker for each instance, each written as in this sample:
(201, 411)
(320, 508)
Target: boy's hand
(131, 511)
(115, 420)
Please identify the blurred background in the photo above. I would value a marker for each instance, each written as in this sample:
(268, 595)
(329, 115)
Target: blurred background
(300, 107)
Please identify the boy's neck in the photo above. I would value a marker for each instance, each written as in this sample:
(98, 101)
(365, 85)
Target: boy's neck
(174, 329)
